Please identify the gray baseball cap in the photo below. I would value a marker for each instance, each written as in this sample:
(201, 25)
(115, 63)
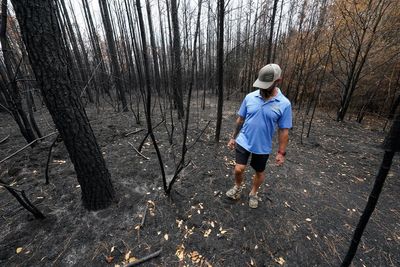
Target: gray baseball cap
(267, 76)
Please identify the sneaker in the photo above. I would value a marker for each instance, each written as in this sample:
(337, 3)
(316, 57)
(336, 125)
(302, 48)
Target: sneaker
(253, 201)
(234, 192)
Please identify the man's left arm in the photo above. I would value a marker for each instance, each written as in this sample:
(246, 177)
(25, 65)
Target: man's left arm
(283, 139)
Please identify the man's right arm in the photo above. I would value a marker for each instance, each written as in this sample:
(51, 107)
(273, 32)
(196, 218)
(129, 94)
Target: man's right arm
(238, 127)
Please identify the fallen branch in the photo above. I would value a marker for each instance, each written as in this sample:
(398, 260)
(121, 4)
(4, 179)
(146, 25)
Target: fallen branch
(5, 139)
(137, 151)
(148, 257)
(21, 149)
(24, 201)
(134, 132)
(144, 217)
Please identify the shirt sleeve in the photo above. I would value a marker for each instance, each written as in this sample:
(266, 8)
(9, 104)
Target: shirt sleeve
(243, 109)
(285, 121)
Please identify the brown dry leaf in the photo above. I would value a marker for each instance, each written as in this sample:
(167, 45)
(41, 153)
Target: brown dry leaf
(194, 255)
(128, 255)
(180, 252)
(18, 250)
(280, 261)
(207, 233)
(109, 259)
(222, 231)
(188, 232)
(132, 259)
(179, 223)
(152, 207)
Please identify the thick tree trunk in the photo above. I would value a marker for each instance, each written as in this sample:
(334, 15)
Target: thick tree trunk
(42, 37)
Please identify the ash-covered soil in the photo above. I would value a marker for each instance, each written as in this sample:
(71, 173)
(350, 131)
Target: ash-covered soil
(309, 209)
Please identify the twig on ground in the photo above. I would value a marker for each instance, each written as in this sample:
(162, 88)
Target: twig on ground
(9, 186)
(21, 149)
(144, 259)
(4, 139)
(137, 151)
(64, 249)
(134, 132)
(144, 217)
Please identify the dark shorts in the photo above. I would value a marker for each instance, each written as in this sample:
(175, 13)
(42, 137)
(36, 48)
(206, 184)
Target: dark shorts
(258, 161)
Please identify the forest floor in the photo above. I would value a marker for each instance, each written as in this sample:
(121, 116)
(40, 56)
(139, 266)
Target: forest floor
(309, 209)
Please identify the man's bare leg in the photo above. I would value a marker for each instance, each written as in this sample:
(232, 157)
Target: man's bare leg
(258, 179)
(239, 171)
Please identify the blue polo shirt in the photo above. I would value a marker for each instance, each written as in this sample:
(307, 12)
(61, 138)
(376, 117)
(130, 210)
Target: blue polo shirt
(261, 118)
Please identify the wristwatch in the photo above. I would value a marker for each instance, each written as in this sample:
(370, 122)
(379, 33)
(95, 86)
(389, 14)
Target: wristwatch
(282, 153)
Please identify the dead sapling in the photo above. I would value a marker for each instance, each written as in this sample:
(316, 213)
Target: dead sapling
(23, 200)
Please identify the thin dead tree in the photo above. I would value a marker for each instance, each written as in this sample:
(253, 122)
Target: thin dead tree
(115, 68)
(181, 164)
(220, 67)
(9, 73)
(391, 146)
(148, 91)
(176, 63)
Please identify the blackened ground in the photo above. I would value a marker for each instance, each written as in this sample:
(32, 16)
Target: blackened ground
(307, 216)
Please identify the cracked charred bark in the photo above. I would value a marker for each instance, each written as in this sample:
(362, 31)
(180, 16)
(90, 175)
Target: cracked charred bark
(42, 37)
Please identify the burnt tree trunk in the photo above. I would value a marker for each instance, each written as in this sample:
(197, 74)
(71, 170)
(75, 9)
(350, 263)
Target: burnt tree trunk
(12, 91)
(177, 65)
(271, 32)
(42, 37)
(115, 69)
(391, 146)
(220, 67)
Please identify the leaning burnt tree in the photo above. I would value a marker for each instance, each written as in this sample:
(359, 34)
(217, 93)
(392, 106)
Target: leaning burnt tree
(391, 146)
(42, 37)
(9, 86)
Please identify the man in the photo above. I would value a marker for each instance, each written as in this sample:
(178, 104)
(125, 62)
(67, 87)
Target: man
(259, 114)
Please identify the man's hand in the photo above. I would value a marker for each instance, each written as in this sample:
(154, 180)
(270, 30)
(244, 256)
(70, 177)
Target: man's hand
(279, 159)
(232, 143)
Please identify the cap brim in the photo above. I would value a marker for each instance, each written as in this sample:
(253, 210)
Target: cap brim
(262, 85)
